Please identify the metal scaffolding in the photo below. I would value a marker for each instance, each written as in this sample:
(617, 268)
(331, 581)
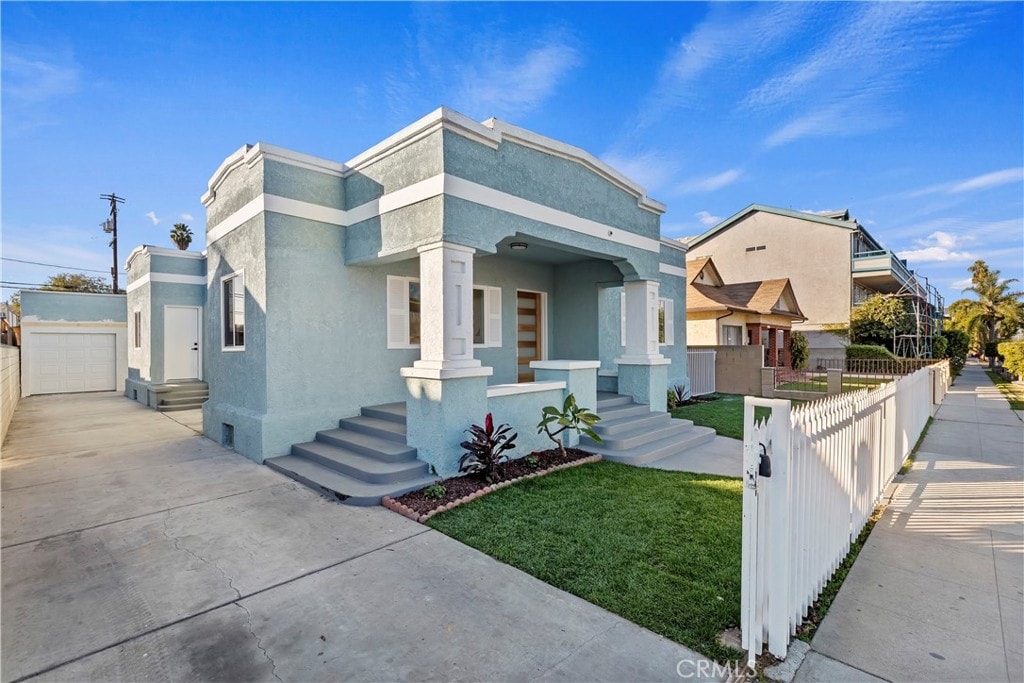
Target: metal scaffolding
(926, 306)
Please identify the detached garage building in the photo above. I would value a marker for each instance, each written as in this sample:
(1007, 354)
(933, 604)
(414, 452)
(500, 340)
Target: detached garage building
(73, 341)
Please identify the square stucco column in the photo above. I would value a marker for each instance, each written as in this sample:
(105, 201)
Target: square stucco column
(447, 386)
(643, 371)
(580, 377)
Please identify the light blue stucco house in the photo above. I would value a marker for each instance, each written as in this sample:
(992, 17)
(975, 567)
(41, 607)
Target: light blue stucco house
(454, 269)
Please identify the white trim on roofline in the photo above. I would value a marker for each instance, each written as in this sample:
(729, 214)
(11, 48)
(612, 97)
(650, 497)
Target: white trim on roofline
(425, 189)
(160, 251)
(169, 278)
(490, 133)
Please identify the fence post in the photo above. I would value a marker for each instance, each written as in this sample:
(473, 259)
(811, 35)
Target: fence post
(750, 629)
(768, 382)
(779, 550)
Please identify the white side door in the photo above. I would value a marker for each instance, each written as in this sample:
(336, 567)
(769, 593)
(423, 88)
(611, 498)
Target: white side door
(181, 342)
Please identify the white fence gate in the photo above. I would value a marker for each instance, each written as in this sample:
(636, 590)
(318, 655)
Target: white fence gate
(700, 368)
(830, 461)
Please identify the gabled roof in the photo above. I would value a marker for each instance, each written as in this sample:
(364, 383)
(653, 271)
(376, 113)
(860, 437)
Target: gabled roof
(839, 219)
(764, 297)
(703, 265)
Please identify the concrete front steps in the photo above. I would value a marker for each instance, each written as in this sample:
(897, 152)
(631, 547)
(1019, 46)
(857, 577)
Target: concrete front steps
(363, 460)
(185, 395)
(632, 434)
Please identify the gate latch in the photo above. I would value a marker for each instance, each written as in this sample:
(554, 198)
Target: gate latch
(764, 466)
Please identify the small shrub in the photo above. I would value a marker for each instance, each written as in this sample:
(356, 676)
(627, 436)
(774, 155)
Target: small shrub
(572, 417)
(1013, 356)
(939, 346)
(487, 450)
(799, 350)
(532, 461)
(957, 344)
(869, 351)
(435, 492)
(992, 350)
(671, 400)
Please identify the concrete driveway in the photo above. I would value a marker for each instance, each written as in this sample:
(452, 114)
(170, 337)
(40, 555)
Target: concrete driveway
(135, 549)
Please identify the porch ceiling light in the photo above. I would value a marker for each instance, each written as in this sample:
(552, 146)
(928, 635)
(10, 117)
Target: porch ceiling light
(518, 246)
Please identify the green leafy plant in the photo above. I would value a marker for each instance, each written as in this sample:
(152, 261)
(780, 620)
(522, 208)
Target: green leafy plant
(939, 346)
(435, 491)
(532, 461)
(799, 350)
(571, 417)
(869, 352)
(671, 400)
(486, 451)
(1013, 357)
(958, 343)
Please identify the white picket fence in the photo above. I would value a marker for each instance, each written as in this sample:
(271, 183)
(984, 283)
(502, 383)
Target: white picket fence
(700, 368)
(831, 461)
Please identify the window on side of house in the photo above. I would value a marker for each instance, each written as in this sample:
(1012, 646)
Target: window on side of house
(732, 335)
(137, 320)
(666, 321)
(233, 311)
(403, 320)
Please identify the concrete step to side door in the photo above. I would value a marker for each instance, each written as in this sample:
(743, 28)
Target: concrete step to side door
(367, 444)
(656, 450)
(359, 466)
(341, 487)
(185, 394)
(180, 406)
(383, 429)
(183, 400)
(392, 412)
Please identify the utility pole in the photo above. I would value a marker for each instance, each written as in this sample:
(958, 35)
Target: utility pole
(110, 226)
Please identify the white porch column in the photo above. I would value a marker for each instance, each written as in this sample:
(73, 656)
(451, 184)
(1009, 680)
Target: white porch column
(641, 321)
(447, 386)
(643, 371)
(446, 308)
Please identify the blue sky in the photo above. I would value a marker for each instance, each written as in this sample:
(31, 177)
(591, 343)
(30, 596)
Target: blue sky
(910, 115)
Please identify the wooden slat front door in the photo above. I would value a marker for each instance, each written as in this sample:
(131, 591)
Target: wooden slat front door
(528, 332)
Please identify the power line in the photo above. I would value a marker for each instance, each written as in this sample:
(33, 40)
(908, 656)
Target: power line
(53, 265)
(8, 284)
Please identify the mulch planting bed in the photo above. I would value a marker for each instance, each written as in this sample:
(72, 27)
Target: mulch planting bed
(416, 505)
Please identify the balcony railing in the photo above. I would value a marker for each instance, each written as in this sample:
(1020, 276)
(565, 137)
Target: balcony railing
(875, 262)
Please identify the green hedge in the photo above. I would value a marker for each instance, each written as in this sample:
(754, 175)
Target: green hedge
(957, 343)
(1013, 356)
(869, 351)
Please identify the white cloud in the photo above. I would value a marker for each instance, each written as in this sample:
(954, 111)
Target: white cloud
(651, 169)
(994, 179)
(33, 74)
(711, 183)
(940, 246)
(513, 85)
(151, 215)
(961, 284)
(707, 219)
(187, 217)
(866, 53)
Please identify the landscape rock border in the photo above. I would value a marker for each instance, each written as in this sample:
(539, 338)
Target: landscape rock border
(393, 505)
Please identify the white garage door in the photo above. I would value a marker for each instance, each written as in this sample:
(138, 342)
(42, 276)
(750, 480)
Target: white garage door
(63, 363)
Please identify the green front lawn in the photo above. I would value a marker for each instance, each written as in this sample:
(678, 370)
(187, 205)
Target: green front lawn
(1013, 393)
(662, 549)
(724, 415)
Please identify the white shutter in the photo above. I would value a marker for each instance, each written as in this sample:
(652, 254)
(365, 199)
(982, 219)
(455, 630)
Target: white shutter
(622, 319)
(398, 312)
(670, 327)
(492, 311)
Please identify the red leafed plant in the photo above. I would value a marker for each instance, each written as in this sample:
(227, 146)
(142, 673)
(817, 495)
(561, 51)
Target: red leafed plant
(486, 450)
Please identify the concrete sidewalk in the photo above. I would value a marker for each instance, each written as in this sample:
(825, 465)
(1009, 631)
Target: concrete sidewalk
(136, 550)
(937, 592)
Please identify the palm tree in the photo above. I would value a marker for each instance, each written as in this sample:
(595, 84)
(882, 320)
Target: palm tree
(995, 303)
(181, 236)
